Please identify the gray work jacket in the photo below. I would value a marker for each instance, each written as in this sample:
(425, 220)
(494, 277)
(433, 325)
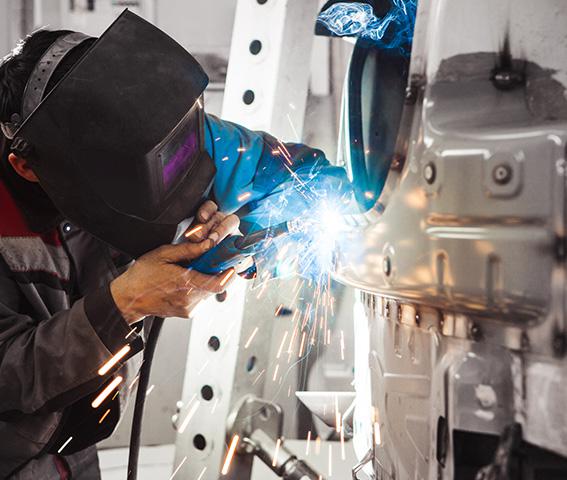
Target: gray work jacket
(58, 326)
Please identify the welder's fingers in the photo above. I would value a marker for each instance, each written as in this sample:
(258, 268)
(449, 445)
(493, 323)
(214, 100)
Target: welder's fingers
(184, 251)
(206, 211)
(226, 227)
(210, 283)
(198, 233)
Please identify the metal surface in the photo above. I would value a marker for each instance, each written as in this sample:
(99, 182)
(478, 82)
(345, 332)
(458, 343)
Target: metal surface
(259, 423)
(328, 406)
(267, 90)
(461, 262)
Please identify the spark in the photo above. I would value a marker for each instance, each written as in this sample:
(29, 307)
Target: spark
(282, 345)
(317, 445)
(106, 392)
(343, 453)
(189, 416)
(230, 454)
(205, 364)
(377, 434)
(278, 310)
(244, 196)
(225, 158)
(275, 459)
(369, 195)
(104, 416)
(114, 360)
(194, 230)
(217, 139)
(249, 341)
(199, 103)
(136, 378)
(276, 372)
(292, 339)
(330, 460)
(297, 136)
(300, 353)
(258, 377)
(64, 445)
(227, 277)
(308, 443)
(215, 403)
(149, 390)
(178, 468)
(130, 333)
(202, 473)
(241, 149)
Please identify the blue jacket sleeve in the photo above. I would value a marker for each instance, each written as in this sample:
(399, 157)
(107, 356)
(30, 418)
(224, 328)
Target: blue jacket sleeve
(267, 181)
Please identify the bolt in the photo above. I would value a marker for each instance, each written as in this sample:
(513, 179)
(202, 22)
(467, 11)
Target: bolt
(387, 266)
(505, 79)
(475, 332)
(502, 174)
(429, 172)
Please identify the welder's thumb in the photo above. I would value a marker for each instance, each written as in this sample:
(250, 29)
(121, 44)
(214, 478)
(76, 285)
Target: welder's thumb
(185, 251)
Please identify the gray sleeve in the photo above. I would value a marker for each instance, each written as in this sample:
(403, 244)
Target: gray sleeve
(53, 363)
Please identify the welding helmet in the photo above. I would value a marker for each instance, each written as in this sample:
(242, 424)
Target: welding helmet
(118, 143)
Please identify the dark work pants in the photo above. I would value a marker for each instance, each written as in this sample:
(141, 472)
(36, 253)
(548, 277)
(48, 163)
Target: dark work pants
(82, 465)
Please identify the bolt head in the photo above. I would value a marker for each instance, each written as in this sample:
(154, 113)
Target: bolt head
(429, 173)
(502, 174)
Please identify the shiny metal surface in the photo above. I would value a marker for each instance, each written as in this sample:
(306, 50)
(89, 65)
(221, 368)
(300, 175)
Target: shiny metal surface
(461, 262)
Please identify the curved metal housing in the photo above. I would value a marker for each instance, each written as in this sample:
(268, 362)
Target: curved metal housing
(461, 261)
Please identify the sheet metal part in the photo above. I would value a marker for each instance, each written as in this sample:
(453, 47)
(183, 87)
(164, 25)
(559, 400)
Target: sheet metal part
(462, 272)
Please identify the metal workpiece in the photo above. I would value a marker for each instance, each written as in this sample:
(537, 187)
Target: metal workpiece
(279, 459)
(260, 425)
(460, 264)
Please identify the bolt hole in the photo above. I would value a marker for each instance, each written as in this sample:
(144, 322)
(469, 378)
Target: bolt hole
(207, 393)
(214, 343)
(262, 2)
(265, 414)
(248, 97)
(250, 364)
(199, 442)
(255, 47)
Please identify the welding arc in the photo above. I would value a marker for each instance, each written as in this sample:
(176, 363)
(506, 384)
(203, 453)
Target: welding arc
(143, 381)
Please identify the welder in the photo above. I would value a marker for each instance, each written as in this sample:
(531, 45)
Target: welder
(107, 157)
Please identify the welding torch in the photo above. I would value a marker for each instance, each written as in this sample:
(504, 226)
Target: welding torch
(234, 249)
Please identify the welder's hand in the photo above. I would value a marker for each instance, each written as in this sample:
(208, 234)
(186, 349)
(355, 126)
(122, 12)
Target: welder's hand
(212, 224)
(156, 285)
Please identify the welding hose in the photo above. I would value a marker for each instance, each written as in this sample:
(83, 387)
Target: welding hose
(143, 382)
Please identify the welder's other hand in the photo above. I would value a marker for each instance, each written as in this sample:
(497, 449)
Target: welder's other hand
(212, 224)
(157, 285)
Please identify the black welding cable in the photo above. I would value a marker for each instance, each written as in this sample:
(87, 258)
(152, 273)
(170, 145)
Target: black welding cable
(143, 381)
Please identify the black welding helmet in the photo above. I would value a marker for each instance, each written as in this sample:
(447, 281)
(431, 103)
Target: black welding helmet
(118, 143)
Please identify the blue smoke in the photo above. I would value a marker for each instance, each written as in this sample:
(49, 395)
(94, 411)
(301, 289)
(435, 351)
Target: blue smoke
(394, 30)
